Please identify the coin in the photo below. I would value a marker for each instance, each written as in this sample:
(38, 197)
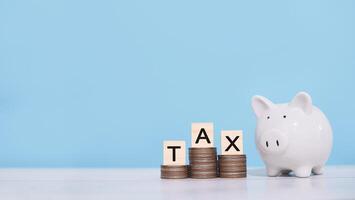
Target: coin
(174, 171)
(203, 162)
(233, 175)
(232, 166)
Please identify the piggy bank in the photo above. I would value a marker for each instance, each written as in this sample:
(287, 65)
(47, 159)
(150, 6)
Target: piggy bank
(294, 136)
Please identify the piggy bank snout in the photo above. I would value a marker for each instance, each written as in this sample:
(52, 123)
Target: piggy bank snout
(273, 142)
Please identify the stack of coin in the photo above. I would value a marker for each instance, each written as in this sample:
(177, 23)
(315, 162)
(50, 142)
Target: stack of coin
(174, 171)
(232, 166)
(203, 162)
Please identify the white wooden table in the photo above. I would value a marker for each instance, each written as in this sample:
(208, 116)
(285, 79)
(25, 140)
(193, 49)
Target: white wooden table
(38, 184)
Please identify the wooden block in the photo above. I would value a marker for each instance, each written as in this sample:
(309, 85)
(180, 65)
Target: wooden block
(202, 135)
(174, 152)
(232, 142)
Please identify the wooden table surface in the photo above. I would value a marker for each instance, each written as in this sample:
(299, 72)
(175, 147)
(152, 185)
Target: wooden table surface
(338, 182)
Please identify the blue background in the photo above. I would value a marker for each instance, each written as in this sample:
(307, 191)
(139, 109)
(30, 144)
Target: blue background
(103, 83)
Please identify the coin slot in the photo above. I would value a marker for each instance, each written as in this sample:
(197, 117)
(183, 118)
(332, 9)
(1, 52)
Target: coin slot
(277, 142)
(267, 144)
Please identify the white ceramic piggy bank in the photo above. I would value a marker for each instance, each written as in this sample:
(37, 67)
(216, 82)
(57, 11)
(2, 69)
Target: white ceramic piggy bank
(295, 136)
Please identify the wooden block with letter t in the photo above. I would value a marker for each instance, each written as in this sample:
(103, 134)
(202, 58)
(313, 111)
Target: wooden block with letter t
(202, 135)
(232, 142)
(174, 152)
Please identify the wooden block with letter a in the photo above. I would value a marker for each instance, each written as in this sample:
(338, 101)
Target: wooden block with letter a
(202, 135)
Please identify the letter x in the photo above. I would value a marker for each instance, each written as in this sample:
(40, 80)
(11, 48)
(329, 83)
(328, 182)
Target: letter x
(232, 143)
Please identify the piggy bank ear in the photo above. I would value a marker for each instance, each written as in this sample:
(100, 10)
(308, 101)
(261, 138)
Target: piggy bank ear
(260, 104)
(304, 101)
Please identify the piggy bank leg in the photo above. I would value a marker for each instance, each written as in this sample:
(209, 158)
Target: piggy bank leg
(285, 172)
(273, 171)
(303, 172)
(317, 170)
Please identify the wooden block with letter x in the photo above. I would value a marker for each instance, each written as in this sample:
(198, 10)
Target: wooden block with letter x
(232, 142)
(202, 135)
(174, 152)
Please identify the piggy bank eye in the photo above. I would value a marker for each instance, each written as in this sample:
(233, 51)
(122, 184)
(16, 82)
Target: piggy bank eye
(284, 116)
(268, 117)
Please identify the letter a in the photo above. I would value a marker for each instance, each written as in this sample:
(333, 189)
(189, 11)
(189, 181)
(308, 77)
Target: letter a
(202, 135)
